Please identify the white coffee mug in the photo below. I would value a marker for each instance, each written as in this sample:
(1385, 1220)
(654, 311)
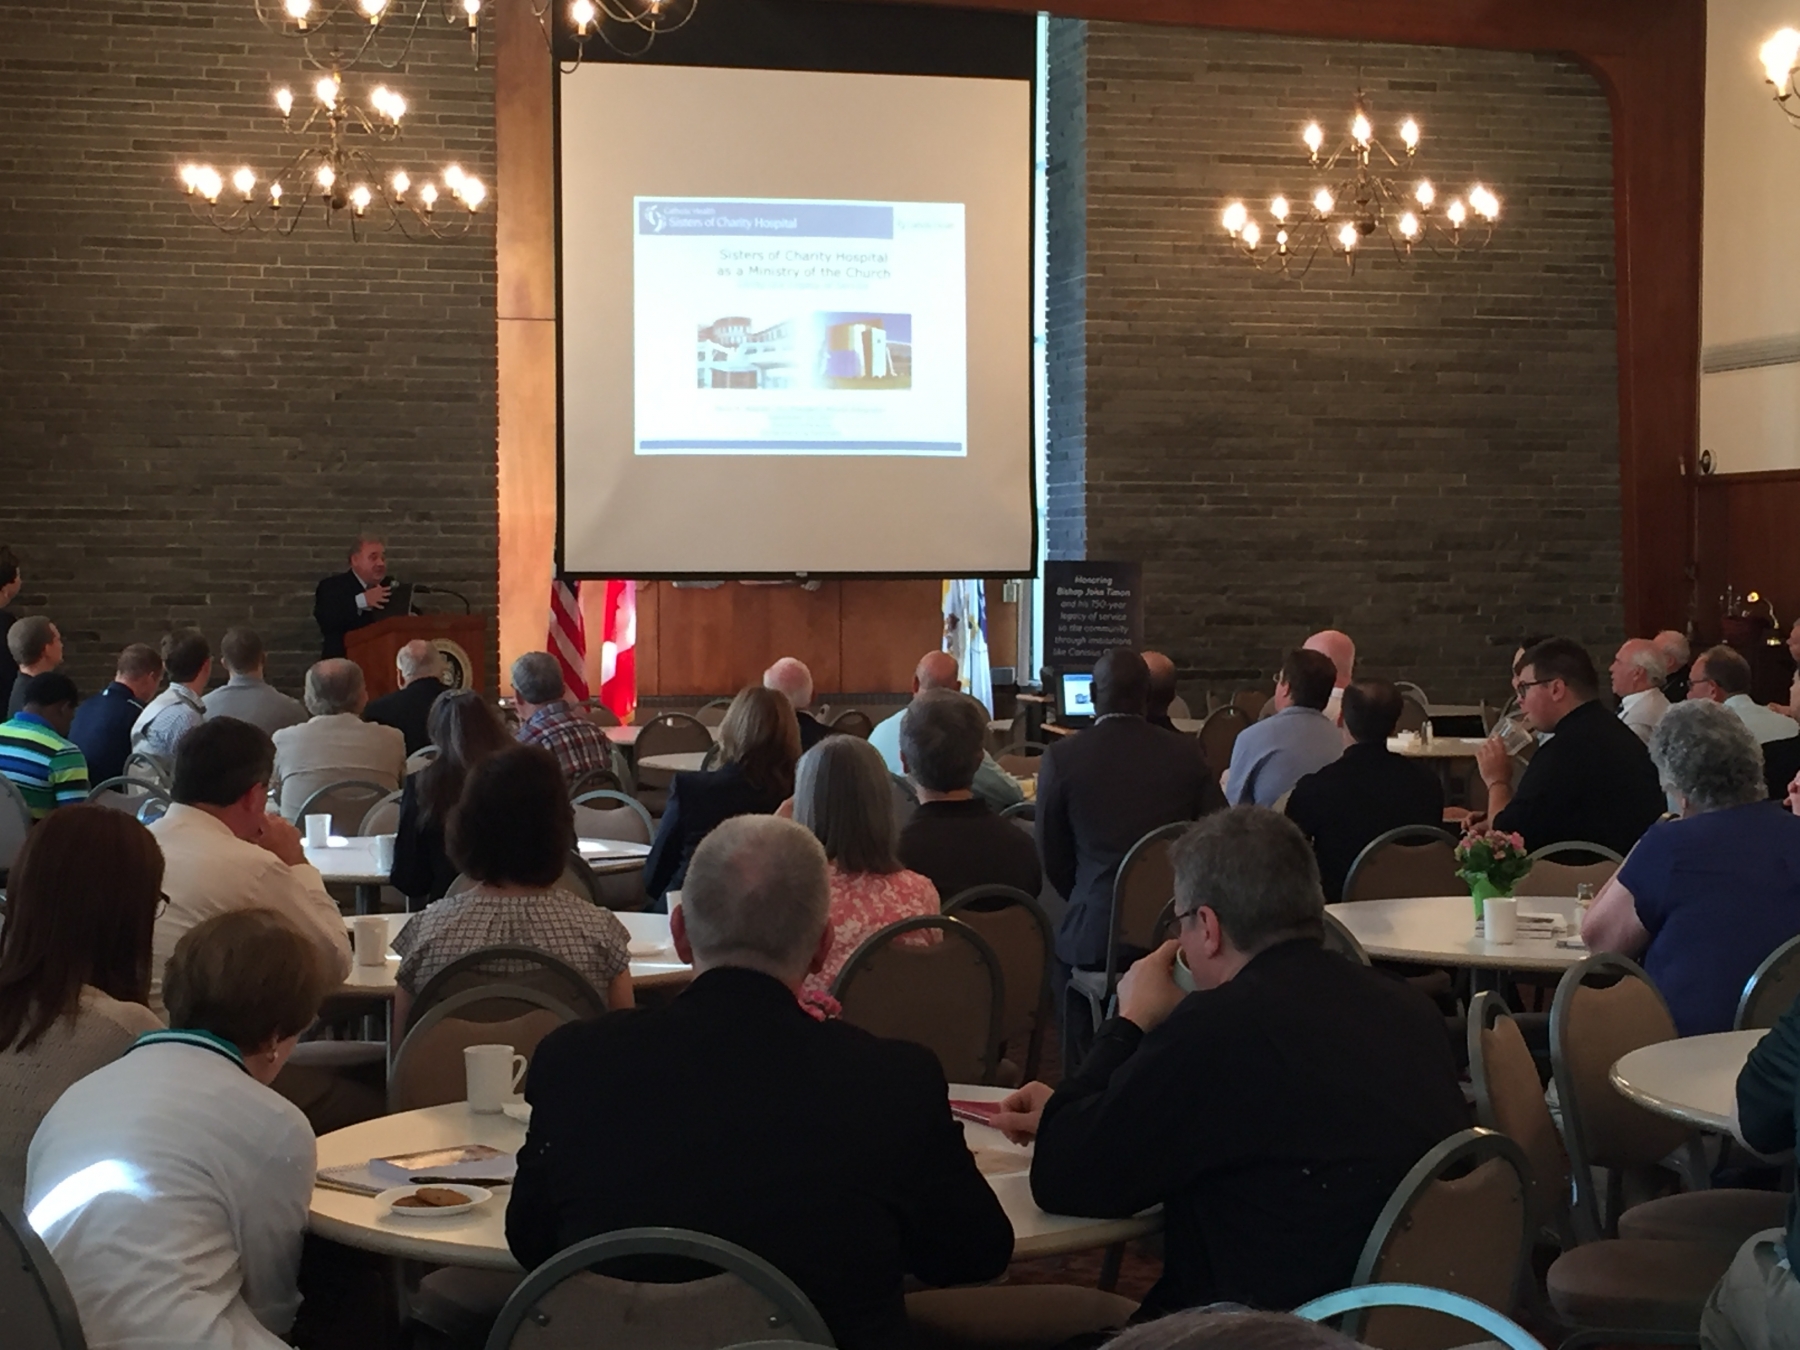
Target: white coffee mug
(384, 852)
(494, 1073)
(371, 932)
(1502, 915)
(318, 830)
(1184, 978)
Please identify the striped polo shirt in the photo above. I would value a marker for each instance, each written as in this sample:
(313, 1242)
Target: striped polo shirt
(48, 770)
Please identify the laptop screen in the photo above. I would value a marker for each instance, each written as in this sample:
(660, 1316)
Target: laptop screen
(1075, 694)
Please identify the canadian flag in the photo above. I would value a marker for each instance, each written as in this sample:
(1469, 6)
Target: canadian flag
(618, 649)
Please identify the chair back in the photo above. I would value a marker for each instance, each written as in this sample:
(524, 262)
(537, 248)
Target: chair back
(595, 780)
(123, 793)
(347, 802)
(1457, 1221)
(1410, 861)
(853, 722)
(1144, 884)
(1576, 853)
(15, 822)
(1407, 687)
(419, 758)
(1771, 989)
(1341, 940)
(1250, 702)
(153, 807)
(712, 712)
(566, 1304)
(1219, 732)
(598, 713)
(948, 996)
(1503, 1329)
(428, 1068)
(906, 801)
(1178, 709)
(34, 1299)
(143, 764)
(383, 817)
(668, 733)
(1026, 811)
(1016, 927)
(579, 879)
(1606, 1007)
(1548, 877)
(1413, 713)
(620, 817)
(511, 965)
(1509, 1097)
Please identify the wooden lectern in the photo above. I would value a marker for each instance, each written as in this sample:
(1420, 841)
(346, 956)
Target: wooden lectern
(461, 637)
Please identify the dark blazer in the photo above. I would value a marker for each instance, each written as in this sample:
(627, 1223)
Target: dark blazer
(1270, 1117)
(812, 730)
(335, 611)
(422, 866)
(697, 803)
(828, 1152)
(1099, 792)
(102, 728)
(1366, 793)
(406, 710)
(962, 844)
(1592, 780)
(9, 668)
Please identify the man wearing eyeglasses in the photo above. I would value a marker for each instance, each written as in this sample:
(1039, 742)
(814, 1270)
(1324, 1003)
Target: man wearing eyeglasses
(1272, 1111)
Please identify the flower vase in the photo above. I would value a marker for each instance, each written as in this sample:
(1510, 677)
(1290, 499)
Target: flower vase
(1481, 890)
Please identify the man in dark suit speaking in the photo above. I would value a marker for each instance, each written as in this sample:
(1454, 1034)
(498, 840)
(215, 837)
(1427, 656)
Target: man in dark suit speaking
(352, 599)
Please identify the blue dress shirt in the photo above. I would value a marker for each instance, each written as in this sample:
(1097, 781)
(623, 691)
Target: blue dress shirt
(1277, 752)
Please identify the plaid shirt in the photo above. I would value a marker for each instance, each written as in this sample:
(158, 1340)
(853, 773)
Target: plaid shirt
(573, 930)
(577, 743)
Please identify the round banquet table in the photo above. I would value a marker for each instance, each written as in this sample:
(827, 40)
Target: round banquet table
(681, 761)
(478, 1238)
(1693, 1079)
(628, 736)
(350, 861)
(1439, 747)
(1440, 930)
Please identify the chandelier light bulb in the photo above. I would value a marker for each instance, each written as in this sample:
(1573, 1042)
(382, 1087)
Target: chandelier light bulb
(1426, 195)
(1313, 137)
(1279, 208)
(453, 179)
(386, 102)
(245, 182)
(1348, 237)
(1360, 130)
(1486, 204)
(473, 9)
(284, 99)
(428, 194)
(473, 193)
(1456, 212)
(401, 182)
(1778, 56)
(327, 91)
(1234, 218)
(1323, 202)
(1409, 135)
(274, 194)
(326, 176)
(190, 175)
(298, 10)
(582, 13)
(1409, 227)
(372, 9)
(209, 183)
(1252, 235)
(360, 197)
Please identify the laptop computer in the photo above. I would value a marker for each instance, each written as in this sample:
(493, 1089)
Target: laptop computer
(1075, 698)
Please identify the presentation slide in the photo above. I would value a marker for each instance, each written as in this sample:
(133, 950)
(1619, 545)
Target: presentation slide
(801, 340)
(794, 323)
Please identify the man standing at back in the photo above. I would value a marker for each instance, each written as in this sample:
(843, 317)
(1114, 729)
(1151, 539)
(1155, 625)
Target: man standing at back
(1293, 741)
(354, 598)
(824, 1150)
(1103, 789)
(36, 647)
(247, 696)
(420, 667)
(937, 670)
(102, 726)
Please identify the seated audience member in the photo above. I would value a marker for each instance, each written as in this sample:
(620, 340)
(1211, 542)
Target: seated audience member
(546, 719)
(1722, 675)
(420, 668)
(1101, 791)
(937, 670)
(1756, 1303)
(1341, 652)
(843, 794)
(1271, 1113)
(247, 696)
(1676, 655)
(512, 833)
(1343, 807)
(102, 725)
(1637, 676)
(1703, 899)
(841, 1165)
(1592, 780)
(12, 581)
(953, 840)
(172, 714)
(223, 851)
(465, 731)
(790, 678)
(172, 1185)
(335, 745)
(37, 649)
(1295, 740)
(1162, 690)
(74, 966)
(759, 743)
(36, 754)
(1792, 707)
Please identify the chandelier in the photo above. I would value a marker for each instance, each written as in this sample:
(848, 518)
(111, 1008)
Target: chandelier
(1779, 55)
(1344, 216)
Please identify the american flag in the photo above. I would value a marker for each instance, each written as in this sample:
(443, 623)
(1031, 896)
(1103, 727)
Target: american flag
(568, 636)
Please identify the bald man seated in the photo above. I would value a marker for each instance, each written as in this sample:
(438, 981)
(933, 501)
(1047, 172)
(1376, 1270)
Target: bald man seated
(790, 678)
(938, 670)
(419, 667)
(1342, 652)
(1162, 691)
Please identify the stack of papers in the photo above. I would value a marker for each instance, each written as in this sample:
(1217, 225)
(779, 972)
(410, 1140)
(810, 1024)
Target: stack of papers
(478, 1164)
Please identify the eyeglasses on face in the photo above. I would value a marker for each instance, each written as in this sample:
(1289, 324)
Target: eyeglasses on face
(1523, 685)
(162, 903)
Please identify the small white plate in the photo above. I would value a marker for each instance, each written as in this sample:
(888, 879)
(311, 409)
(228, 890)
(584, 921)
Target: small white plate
(643, 947)
(476, 1195)
(519, 1111)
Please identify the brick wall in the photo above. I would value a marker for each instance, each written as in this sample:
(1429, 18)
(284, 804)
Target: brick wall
(195, 426)
(1425, 456)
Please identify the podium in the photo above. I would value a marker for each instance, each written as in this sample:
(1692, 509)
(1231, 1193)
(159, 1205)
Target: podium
(462, 638)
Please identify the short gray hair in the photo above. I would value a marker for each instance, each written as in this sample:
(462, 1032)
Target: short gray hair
(844, 794)
(1650, 659)
(757, 893)
(334, 686)
(418, 659)
(537, 678)
(942, 734)
(790, 676)
(1674, 647)
(1705, 755)
(1254, 869)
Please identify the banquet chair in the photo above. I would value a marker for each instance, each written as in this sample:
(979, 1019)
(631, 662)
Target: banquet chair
(712, 712)
(1341, 940)
(624, 819)
(1250, 702)
(1502, 1328)
(568, 1304)
(510, 966)
(1771, 989)
(1016, 927)
(1456, 1221)
(34, 1298)
(428, 1068)
(948, 996)
(383, 817)
(154, 807)
(1142, 887)
(1219, 732)
(853, 722)
(1178, 709)
(598, 713)
(143, 764)
(1414, 860)
(668, 733)
(123, 793)
(595, 780)
(1413, 713)
(906, 801)
(346, 802)
(419, 758)
(1590, 864)
(1026, 811)
(15, 822)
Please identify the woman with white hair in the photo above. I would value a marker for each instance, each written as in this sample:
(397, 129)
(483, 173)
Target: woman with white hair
(1705, 897)
(844, 795)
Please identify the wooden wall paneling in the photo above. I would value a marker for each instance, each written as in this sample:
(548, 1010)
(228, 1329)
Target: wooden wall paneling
(716, 641)
(1747, 542)
(649, 662)
(887, 626)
